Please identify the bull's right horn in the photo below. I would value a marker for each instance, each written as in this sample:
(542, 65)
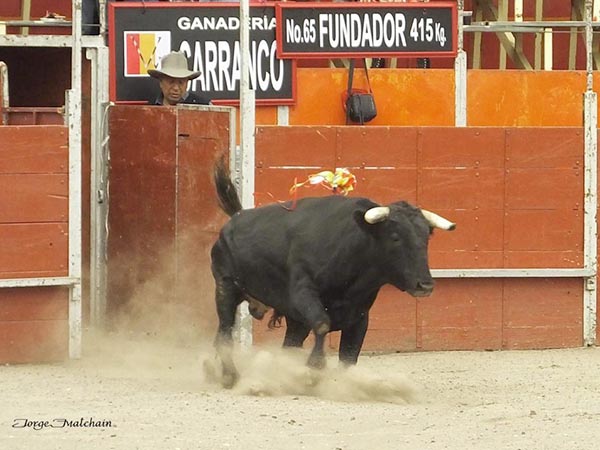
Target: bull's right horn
(438, 221)
(377, 214)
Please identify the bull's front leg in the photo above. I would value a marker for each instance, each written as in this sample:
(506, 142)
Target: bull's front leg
(305, 301)
(352, 340)
(317, 355)
(227, 297)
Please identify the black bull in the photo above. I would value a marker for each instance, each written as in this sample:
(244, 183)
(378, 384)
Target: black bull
(320, 264)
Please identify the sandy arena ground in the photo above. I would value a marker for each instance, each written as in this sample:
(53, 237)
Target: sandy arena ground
(154, 396)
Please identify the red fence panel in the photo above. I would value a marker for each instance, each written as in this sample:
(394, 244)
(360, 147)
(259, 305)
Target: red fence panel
(516, 195)
(33, 242)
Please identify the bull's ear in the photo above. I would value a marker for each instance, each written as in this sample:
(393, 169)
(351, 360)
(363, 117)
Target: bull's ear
(359, 218)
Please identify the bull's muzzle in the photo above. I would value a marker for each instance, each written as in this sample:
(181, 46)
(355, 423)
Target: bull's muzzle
(423, 289)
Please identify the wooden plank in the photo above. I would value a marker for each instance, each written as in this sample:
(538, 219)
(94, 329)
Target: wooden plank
(211, 125)
(196, 198)
(290, 146)
(142, 183)
(32, 247)
(164, 217)
(544, 230)
(203, 137)
(386, 186)
(392, 147)
(141, 217)
(480, 259)
(468, 147)
(550, 148)
(542, 313)
(461, 188)
(548, 188)
(476, 242)
(477, 230)
(461, 314)
(37, 149)
(34, 198)
(25, 304)
(34, 341)
(543, 259)
(273, 185)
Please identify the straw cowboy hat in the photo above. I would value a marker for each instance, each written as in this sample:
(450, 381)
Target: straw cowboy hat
(174, 65)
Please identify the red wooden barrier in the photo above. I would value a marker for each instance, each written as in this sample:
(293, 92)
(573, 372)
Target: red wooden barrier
(163, 217)
(33, 241)
(516, 195)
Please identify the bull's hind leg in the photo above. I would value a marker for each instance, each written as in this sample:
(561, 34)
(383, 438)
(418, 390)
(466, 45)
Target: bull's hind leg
(227, 298)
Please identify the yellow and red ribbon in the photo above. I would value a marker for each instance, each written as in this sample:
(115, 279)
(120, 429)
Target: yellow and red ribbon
(342, 181)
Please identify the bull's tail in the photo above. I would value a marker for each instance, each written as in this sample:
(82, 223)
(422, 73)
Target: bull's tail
(229, 201)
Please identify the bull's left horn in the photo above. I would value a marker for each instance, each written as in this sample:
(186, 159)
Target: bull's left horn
(438, 221)
(377, 214)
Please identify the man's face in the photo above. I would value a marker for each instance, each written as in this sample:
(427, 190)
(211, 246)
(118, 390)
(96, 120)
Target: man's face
(172, 89)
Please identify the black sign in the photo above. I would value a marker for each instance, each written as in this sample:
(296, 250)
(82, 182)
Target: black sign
(366, 30)
(141, 34)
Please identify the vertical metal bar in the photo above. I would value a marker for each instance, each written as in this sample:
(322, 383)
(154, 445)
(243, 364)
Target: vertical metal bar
(25, 15)
(102, 16)
(283, 115)
(573, 32)
(98, 184)
(591, 189)
(595, 44)
(75, 197)
(247, 120)
(477, 37)
(4, 96)
(460, 74)
(548, 49)
(502, 15)
(518, 10)
(539, 8)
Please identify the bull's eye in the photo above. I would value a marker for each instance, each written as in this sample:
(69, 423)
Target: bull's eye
(395, 237)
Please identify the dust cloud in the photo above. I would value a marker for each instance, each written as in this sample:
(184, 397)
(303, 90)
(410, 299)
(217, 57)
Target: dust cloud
(164, 327)
(273, 372)
(265, 371)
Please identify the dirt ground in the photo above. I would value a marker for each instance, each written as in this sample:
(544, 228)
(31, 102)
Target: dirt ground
(141, 394)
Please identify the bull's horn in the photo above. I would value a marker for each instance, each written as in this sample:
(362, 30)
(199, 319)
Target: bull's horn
(438, 221)
(377, 214)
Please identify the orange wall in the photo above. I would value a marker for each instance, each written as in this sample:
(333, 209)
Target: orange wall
(422, 97)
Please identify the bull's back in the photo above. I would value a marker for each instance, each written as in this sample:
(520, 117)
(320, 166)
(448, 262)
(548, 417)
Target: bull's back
(262, 243)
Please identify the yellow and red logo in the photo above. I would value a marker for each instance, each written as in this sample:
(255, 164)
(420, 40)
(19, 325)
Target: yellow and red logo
(143, 51)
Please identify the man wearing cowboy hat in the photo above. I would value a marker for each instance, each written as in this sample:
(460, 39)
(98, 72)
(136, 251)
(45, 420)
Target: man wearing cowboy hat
(173, 77)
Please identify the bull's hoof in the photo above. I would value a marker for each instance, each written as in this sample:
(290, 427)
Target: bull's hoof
(229, 380)
(317, 362)
(210, 372)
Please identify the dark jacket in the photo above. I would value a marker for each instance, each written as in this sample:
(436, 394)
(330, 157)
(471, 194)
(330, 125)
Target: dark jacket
(189, 99)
